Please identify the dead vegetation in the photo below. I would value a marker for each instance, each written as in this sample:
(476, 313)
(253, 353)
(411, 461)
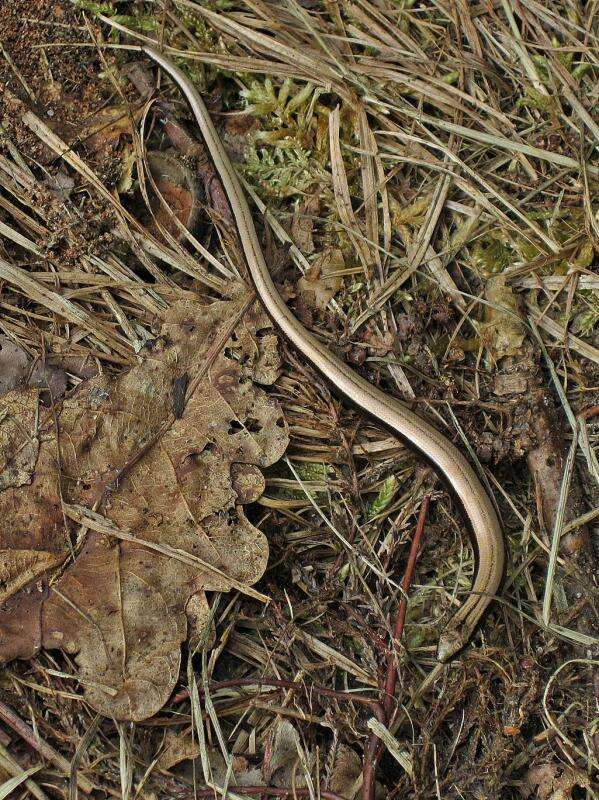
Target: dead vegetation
(424, 177)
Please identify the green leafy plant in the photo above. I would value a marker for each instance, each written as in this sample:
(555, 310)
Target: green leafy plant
(383, 498)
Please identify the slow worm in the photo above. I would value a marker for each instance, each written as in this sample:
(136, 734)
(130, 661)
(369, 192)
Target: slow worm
(484, 523)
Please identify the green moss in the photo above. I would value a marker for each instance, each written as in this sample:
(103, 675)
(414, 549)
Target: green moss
(535, 100)
(492, 255)
(96, 8)
(586, 312)
(285, 157)
(281, 172)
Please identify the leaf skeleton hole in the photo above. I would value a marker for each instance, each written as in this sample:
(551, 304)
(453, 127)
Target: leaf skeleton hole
(234, 427)
(191, 459)
(232, 354)
(253, 425)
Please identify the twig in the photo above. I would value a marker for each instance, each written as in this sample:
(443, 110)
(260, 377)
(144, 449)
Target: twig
(376, 707)
(373, 748)
(271, 791)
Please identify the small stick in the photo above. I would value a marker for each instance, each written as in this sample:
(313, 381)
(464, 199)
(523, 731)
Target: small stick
(373, 748)
(42, 747)
(279, 683)
(271, 791)
(391, 681)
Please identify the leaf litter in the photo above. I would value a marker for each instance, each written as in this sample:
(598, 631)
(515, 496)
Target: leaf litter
(117, 605)
(445, 154)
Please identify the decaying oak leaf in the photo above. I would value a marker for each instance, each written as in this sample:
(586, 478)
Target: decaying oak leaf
(155, 465)
(19, 443)
(14, 365)
(32, 538)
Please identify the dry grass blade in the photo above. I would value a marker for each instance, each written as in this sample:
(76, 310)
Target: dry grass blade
(10, 785)
(401, 755)
(558, 530)
(11, 767)
(424, 179)
(79, 753)
(64, 308)
(342, 197)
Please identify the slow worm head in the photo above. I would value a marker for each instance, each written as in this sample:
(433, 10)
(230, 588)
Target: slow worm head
(484, 523)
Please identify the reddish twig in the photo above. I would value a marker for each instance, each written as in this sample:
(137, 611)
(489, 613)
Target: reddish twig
(381, 711)
(376, 707)
(373, 748)
(403, 606)
(42, 747)
(272, 791)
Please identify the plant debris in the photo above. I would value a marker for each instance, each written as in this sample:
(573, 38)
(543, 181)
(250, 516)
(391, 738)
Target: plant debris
(114, 447)
(423, 176)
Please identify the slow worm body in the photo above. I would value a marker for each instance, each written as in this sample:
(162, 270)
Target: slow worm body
(484, 524)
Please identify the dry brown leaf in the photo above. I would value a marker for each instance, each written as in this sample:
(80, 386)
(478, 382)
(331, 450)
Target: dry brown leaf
(282, 749)
(282, 765)
(166, 466)
(33, 539)
(302, 223)
(19, 443)
(174, 192)
(554, 782)
(318, 285)
(18, 370)
(14, 365)
(178, 747)
(104, 130)
(346, 774)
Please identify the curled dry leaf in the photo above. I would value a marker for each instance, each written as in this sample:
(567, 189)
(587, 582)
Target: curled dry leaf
(503, 331)
(178, 746)
(179, 189)
(282, 765)
(281, 750)
(167, 489)
(320, 283)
